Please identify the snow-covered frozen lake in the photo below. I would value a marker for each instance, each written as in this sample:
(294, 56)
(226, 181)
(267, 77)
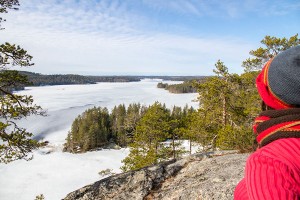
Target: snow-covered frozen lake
(54, 173)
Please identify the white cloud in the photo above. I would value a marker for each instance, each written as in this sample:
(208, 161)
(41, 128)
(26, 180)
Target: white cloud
(103, 37)
(225, 8)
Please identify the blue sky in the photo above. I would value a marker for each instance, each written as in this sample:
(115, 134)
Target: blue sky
(145, 37)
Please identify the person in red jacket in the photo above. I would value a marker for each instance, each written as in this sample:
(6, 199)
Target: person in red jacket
(273, 170)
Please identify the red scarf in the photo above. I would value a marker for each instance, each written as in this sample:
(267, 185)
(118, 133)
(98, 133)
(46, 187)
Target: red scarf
(271, 125)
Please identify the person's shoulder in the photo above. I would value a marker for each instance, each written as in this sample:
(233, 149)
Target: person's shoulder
(286, 150)
(284, 145)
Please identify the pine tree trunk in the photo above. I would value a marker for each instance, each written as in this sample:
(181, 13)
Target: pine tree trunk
(190, 146)
(224, 114)
(173, 143)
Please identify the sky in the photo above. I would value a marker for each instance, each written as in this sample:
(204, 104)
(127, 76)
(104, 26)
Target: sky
(145, 37)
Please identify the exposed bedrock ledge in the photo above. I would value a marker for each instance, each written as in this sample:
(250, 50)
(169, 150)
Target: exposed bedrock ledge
(199, 176)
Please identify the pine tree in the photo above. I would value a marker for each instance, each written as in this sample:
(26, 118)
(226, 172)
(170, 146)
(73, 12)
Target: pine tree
(89, 131)
(272, 46)
(230, 102)
(117, 124)
(178, 129)
(133, 116)
(222, 110)
(151, 131)
(15, 141)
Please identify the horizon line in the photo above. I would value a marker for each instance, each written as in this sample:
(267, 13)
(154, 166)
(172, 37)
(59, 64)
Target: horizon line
(143, 75)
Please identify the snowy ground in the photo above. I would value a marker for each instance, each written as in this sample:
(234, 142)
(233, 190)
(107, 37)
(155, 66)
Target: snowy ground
(54, 173)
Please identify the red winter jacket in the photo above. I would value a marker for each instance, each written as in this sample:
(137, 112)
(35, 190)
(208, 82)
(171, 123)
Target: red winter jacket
(272, 172)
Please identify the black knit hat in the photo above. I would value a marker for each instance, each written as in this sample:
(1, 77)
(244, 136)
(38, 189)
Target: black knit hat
(284, 76)
(279, 82)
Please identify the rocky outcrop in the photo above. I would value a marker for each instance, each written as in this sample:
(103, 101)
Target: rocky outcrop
(200, 176)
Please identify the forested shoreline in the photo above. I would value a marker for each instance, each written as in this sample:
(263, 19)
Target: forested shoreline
(187, 86)
(37, 79)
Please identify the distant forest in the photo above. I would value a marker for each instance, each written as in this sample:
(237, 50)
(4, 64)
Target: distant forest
(37, 79)
(187, 86)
